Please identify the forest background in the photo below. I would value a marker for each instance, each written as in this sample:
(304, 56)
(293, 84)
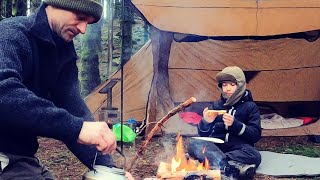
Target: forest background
(129, 34)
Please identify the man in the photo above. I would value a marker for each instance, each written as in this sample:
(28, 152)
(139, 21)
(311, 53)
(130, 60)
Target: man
(39, 89)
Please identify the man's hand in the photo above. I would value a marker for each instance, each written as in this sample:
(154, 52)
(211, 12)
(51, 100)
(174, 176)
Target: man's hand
(209, 117)
(98, 134)
(228, 119)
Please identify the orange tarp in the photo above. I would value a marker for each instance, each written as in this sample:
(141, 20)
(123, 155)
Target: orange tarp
(287, 70)
(250, 55)
(138, 74)
(271, 86)
(232, 17)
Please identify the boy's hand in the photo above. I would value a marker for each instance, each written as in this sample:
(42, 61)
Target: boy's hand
(209, 116)
(228, 119)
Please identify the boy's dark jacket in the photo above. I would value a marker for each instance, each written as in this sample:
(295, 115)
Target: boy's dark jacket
(246, 128)
(39, 89)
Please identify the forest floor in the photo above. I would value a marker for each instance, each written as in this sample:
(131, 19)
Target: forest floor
(65, 166)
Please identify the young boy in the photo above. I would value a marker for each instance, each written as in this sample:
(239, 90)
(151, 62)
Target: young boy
(239, 127)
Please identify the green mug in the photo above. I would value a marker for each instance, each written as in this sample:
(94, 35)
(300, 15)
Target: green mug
(128, 134)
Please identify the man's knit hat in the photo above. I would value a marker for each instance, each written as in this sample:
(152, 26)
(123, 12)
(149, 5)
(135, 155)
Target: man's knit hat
(89, 7)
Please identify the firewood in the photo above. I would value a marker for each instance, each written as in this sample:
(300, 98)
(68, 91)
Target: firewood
(180, 175)
(164, 172)
(157, 127)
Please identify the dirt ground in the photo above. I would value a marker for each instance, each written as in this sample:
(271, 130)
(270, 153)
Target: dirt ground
(65, 166)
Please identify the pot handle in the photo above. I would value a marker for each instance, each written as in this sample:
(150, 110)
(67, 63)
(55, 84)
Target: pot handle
(118, 151)
(124, 158)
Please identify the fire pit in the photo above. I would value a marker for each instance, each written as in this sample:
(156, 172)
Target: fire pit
(164, 173)
(184, 168)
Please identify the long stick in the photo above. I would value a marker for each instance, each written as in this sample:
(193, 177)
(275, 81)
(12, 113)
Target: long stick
(157, 127)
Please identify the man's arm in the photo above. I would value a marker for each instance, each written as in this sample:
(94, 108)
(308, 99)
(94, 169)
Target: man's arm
(69, 98)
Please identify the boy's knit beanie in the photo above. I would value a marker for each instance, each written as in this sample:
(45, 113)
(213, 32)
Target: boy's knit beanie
(236, 75)
(89, 7)
(231, 73)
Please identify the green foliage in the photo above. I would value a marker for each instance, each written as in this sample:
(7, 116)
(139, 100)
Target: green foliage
(21, 7)
(12, 8)
(304, 150)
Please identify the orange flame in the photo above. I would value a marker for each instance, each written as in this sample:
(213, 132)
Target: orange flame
(181, 163)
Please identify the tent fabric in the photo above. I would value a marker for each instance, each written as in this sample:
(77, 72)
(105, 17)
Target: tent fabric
(268, 86)
(286, 64)
(281, 70)
(137, 82)
(232, 17)
(193, 66)
(250, 55)
(138, 76)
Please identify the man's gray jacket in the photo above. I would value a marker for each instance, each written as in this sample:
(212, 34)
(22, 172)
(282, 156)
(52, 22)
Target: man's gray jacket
(39, 89)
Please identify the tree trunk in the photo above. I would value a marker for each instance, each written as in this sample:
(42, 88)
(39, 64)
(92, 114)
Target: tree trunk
(160, 101)
(127, 32)
(20, 8)
(145, 31)
(90, 50)
(117, 10)
(8, 8)
(1, 9)
(110, 16)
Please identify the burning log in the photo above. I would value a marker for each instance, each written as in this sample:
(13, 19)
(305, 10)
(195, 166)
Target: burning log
(183, 167)
(165, 173)
(157, 127)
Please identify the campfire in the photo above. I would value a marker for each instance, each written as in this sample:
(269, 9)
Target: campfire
(182, 167)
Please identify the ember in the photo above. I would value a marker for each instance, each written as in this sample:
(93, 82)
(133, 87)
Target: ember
(183, 168)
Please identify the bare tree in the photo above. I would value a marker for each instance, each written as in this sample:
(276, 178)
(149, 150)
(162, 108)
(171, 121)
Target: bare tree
(90, 51)
(127, 31)
(1, 9)
(8, 9)
(20, 8)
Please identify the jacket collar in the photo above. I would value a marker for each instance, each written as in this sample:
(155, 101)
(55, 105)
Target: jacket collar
(40, 27)
(247, 96)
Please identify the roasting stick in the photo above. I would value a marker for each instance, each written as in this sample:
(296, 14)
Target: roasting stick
(157, 127)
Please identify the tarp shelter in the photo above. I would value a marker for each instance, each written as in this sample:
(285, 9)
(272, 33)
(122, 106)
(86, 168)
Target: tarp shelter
(274, 42)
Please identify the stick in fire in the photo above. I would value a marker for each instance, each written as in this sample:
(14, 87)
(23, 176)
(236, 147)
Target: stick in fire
(157, 127)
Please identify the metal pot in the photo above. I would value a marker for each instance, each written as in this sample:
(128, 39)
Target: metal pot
(105, 173)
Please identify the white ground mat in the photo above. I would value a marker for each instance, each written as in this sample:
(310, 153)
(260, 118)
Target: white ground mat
(286, 165)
